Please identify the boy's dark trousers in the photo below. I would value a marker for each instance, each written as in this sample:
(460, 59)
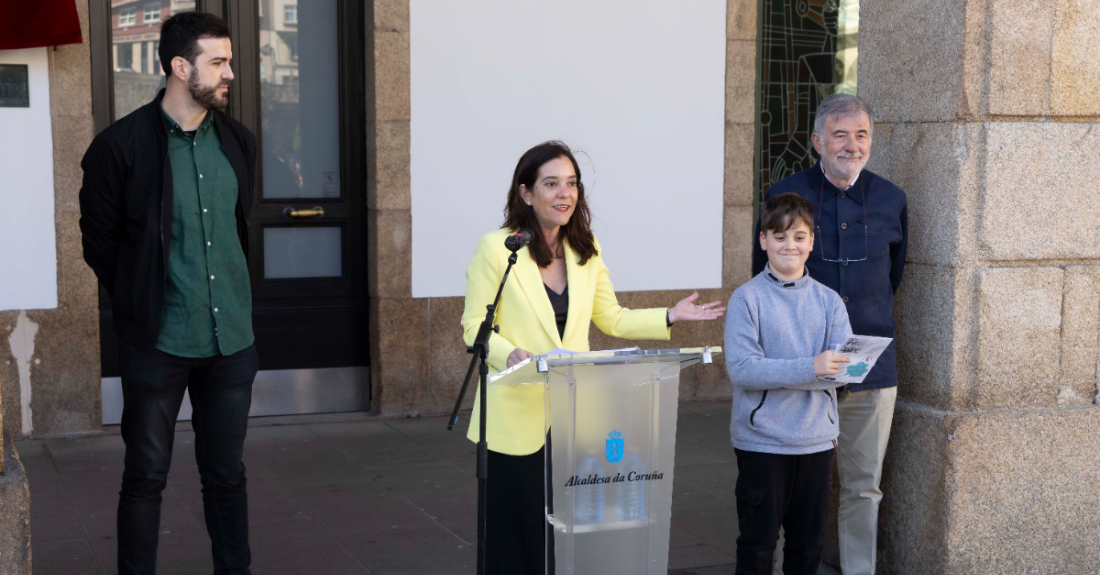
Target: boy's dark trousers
(153, 383)
(791, 491)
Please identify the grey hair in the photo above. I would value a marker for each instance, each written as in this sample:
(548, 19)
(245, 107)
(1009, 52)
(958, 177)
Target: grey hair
(840, 105)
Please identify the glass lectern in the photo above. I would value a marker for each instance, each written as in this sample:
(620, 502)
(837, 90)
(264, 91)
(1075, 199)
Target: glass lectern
(612, 417)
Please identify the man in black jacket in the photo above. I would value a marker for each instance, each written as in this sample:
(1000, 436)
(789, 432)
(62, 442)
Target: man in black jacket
(164, 215)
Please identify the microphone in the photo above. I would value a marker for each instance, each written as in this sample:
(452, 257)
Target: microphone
(516, 241)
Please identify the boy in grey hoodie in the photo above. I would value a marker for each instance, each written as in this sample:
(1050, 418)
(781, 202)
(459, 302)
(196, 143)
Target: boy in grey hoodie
(781, 328)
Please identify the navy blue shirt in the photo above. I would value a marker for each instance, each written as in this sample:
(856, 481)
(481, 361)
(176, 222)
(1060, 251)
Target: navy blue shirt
(869, 220)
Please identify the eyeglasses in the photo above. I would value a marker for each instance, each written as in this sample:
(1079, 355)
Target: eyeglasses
(840, 259)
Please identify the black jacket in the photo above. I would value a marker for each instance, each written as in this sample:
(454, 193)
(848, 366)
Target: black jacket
(126, 212)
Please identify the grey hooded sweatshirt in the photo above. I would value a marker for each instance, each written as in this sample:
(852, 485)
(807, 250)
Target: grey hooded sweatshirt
(774, 328)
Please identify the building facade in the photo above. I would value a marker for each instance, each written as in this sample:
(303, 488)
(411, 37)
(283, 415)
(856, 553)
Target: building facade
(986, 116)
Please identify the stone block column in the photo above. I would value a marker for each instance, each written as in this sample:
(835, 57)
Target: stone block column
(389, 198)
(988, 116)
(15, 514)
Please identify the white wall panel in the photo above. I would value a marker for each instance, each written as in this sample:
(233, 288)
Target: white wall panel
(28, 249)
(637, 87)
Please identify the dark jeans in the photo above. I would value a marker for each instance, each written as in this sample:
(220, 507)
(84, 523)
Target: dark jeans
(516, 537)
(791, 491)
(221, 394)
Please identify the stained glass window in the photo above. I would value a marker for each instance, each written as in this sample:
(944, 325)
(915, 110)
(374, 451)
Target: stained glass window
(807, 51)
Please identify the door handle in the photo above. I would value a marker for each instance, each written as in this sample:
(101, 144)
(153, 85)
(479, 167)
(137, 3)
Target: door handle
(316, 212)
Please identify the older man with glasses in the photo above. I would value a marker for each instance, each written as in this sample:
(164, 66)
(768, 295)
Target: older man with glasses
(862, 228)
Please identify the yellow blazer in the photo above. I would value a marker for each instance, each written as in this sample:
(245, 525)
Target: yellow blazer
(515, 414)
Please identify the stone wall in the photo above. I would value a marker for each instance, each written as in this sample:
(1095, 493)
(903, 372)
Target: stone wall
(15, 514)
(987, 117)
(64, 367)
(402, 381)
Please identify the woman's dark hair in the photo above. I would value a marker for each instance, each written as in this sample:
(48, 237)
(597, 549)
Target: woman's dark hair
(519, 215)
(180, 35)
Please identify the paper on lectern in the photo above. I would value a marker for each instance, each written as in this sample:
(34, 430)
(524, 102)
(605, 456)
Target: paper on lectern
(560, 351)
(556, 351)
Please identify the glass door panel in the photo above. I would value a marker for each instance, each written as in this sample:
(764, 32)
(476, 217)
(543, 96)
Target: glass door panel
(305, 136)
(135, 38)
(313, 252)
(300, 100)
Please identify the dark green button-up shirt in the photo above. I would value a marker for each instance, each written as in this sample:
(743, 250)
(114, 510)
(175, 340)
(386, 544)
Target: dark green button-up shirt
(207, 298)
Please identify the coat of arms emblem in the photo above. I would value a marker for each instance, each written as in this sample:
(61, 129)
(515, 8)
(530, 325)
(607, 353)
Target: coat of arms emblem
(615, 446)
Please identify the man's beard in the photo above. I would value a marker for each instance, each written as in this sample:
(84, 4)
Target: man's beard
(207, 96)
(835, 167)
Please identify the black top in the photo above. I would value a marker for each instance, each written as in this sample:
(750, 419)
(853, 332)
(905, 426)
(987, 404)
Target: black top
(126, 212)
(560, 303)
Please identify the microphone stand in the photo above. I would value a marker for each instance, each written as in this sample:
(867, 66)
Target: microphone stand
(480, 350)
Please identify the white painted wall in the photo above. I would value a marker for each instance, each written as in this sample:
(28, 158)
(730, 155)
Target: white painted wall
(28, 250)
(636, 86)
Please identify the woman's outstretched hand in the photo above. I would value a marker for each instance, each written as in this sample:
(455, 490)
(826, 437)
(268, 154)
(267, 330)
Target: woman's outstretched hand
(686, 309)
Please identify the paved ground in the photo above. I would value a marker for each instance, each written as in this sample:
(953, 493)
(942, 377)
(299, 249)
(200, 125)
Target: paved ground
(345, 495)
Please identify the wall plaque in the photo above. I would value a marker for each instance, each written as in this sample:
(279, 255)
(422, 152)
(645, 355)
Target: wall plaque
(14, 92)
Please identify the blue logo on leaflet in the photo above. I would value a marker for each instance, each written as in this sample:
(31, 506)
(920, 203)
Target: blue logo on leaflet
(615, 446)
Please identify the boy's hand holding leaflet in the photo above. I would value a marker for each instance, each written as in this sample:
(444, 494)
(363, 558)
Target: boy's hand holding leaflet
(828, 363)
(858, 352)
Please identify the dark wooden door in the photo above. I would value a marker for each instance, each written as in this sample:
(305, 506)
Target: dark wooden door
(301, 90)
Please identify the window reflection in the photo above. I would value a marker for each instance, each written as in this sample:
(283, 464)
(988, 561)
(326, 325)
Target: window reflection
(135, 38)
(299, 99)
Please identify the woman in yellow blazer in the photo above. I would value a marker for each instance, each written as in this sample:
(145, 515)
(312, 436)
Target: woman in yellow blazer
(557, 288)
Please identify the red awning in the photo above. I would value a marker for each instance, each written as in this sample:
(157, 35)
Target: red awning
(33, 23)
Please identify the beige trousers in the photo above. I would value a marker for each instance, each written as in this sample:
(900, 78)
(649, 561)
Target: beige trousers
(865, 419)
